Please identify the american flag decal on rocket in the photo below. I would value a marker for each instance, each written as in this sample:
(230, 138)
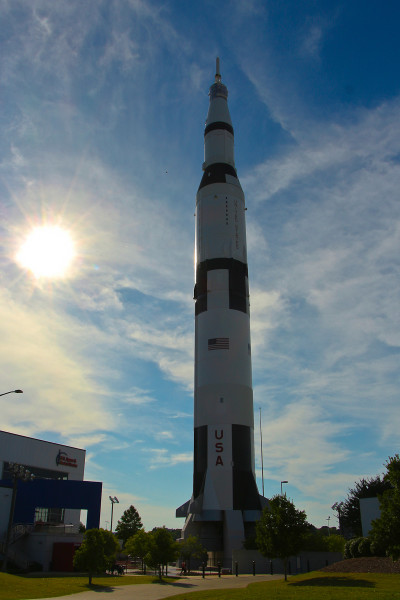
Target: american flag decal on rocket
(218, 344)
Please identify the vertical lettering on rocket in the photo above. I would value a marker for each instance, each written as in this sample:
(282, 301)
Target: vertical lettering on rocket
(219, 447)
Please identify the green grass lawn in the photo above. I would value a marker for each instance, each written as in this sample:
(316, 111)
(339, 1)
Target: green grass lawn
(312, 586)
(16, 587)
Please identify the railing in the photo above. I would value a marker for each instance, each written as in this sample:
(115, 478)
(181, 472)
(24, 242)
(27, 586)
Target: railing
(17, 532)
(61, 528)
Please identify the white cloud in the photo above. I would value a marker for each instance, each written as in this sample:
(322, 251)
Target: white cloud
(120, 48)
(151, 514)
(137, 396)
(57, 386)
(326, 348)
(166, 435)
(161, 457)
(310, 45)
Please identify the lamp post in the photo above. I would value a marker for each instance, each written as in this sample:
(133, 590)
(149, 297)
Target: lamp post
(113, 501)
(262, 457)
(12, 392)
(18, 472)
(282, 482)
(328, 519)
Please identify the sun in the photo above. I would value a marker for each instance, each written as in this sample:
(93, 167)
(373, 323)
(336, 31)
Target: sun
(47, 252)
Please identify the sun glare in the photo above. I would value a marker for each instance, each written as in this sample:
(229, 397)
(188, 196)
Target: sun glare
(47, 252)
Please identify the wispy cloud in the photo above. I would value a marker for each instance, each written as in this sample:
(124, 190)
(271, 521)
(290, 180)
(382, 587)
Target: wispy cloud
(333, 291)
(161, 457)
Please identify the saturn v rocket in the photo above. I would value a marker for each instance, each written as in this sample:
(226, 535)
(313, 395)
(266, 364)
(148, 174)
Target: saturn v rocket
(225, 501)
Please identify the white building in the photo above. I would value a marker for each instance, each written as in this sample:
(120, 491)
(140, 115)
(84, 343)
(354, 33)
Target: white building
(48, 509)
(370, 510)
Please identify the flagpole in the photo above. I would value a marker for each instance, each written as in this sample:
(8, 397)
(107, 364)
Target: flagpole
(262, 457)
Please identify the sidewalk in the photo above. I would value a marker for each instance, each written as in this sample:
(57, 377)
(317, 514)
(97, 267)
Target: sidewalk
(157, 591)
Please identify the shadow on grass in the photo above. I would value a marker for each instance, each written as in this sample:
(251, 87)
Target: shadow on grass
(333, 582)
(97, 587)
(174, 583)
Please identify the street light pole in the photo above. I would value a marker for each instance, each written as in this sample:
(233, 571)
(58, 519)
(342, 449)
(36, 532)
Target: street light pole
(12, 392)
(281, 486)
(262, 456)
(113, 501)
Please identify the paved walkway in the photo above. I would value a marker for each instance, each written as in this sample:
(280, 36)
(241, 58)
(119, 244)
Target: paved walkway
(157, 591)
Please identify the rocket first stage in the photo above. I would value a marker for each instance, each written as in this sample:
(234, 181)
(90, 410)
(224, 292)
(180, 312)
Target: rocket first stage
(225, 501)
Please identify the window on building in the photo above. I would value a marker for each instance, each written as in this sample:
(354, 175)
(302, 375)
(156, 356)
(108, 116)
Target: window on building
(52, 516)
(37, 472)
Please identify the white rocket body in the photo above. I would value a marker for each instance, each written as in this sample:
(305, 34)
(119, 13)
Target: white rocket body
(224, 487)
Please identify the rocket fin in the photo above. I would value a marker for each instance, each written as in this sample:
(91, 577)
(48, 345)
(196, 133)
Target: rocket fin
(183, 510)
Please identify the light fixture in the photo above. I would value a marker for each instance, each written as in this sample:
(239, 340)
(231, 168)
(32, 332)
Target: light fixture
(113, 500)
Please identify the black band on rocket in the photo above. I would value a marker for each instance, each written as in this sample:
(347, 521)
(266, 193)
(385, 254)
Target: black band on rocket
(218, 125)
(237, 283)
(245, 492)
(200, 459)
(216, 174)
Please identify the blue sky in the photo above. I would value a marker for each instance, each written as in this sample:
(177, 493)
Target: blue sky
(103, 104)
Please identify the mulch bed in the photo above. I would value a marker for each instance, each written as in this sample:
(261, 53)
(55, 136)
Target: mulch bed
(373, 564)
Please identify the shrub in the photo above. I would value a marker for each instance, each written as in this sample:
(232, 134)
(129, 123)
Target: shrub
(357, 547)
(364, 547)
(354, 547)
(335, 543)
(377, 548)
(346, 551)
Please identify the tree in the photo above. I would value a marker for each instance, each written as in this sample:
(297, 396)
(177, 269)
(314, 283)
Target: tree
(176, 533)
(282, 530)
(385, 532)
(129, 524)
(335, 543)
(162, 549)
(96, 553)
(138, 545)
(349, 510)
(315, 540)
(191, 547)
(318, 541)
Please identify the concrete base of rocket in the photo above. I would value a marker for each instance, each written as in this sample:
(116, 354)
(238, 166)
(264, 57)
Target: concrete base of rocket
(220, 531)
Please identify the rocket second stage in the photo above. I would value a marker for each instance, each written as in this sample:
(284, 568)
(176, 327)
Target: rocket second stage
(224, 486)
